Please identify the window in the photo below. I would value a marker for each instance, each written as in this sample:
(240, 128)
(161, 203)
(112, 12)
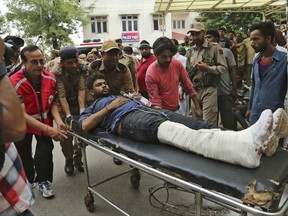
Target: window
(158, 22)
(178, 24)
(129, 23)
(99, 24)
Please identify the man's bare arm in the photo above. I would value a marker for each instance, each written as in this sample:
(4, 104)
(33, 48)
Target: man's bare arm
(96, 118)
(14, 126)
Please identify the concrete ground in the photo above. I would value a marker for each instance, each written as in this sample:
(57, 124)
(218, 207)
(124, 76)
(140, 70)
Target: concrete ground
(70, 192)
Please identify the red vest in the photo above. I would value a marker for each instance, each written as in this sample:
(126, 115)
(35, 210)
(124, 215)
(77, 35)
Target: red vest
(30, 99)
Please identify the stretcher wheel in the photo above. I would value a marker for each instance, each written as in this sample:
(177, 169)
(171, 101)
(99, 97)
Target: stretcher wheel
(135, 179)
(89, 202)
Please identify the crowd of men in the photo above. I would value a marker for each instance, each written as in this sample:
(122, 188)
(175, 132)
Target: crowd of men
(227, 78)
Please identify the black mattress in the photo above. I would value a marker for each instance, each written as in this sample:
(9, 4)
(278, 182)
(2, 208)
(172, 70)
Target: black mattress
(271, 175)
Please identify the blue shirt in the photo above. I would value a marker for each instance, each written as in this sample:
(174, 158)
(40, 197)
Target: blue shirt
(268, 89)
(111, 119)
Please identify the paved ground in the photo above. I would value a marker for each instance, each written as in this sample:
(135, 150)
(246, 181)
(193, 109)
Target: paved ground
(70, 192)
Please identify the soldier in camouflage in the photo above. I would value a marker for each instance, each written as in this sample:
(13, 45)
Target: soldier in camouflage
(205, 64)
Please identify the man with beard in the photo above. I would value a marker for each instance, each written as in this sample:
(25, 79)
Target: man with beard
(164, 76)
(147, 59)
(269, 78)
(205, 64)
(125, 117)
(71, 89)
(117, 74)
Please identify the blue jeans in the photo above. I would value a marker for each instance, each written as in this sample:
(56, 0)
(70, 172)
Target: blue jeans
(142, 124)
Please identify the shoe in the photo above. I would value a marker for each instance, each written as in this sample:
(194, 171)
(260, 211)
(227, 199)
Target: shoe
(46, 189)
(69, 168)
(79, 166)
(117, 161)
(32, 185)
(279, 130)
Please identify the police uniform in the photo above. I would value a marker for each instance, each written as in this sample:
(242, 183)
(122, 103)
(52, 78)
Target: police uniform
(130, 63)
(206, 82)
(118, 80)
(68, 86)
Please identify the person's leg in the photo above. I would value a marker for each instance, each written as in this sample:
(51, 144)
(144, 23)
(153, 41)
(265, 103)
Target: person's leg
(226, 113)
(77, 157)
(67, 150)
(44, 165)
(193, 123)
(142, 125)
(279, 119)
(238, 116)
(210, 106)
(43, 159)
(243, 147)
(248, 74)
(24, 148)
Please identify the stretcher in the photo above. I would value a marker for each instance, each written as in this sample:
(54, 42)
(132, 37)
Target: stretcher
(257, 191)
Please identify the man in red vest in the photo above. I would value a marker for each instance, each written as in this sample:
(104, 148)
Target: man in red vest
(36, 89)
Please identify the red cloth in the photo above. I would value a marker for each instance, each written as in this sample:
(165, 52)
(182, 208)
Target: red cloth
(30, 99)
(15, 192)
(141, 72)
(162, 84)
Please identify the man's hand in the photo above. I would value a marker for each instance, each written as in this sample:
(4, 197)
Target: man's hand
(181, 93)
(247, 115)
(68, 119)
(202, 66)
(56, 134)
(117, 103)
(157, 107)
(62, 126)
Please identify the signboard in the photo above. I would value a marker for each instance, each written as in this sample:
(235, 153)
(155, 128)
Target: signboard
(130, 37)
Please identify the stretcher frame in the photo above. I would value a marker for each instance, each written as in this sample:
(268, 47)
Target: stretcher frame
(200, 192)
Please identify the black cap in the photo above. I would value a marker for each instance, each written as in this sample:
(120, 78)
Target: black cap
(68, 52)
(144, 43)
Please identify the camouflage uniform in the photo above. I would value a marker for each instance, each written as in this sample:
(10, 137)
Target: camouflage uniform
(205, 83)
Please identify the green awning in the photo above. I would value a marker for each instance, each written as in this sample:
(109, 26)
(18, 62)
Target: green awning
(264, 6)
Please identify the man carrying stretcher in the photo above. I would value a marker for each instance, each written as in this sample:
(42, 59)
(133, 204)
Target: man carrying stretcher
(128, 117)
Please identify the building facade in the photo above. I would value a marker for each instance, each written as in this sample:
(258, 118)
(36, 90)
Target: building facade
(133, 21)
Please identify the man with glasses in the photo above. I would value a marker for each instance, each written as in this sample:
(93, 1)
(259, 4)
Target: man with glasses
(205, 64)
(164, 76)
(36, 89)
(147, 59)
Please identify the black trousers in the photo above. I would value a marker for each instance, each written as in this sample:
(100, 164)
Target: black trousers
(226, 113)
(42, 164)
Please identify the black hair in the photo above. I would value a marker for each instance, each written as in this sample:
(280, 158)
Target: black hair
(223, 29)
(233, 32)
(240, 34)
(266, 28)
(175, 42)
(163, 43)
(214, 33)
(29, 48)
(93, 77)
(128, 50)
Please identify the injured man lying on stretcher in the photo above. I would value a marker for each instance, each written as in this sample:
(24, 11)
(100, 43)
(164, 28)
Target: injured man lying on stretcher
(127, 117)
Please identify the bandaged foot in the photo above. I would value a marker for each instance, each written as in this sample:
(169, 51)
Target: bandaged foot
(261, 130)
(228, 146)
(279, 130)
